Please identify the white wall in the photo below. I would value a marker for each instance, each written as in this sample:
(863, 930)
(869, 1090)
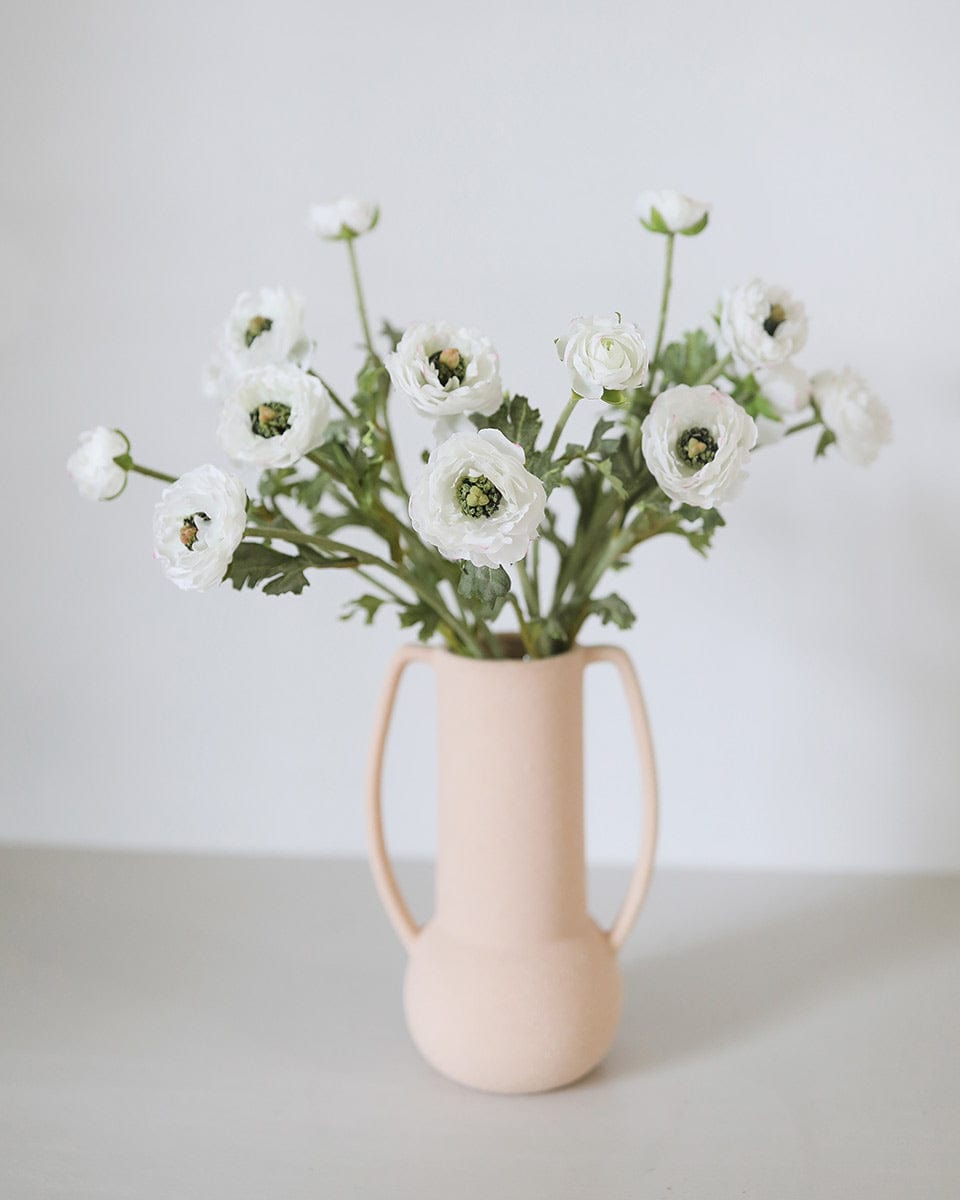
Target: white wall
(159, 158)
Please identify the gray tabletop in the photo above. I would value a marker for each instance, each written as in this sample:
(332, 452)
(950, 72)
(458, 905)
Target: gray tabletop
(190, 1028)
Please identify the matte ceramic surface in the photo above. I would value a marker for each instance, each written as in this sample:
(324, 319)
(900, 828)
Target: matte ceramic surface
(511, 986)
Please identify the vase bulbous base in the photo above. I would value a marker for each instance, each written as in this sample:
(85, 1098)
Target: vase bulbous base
(524, 1018)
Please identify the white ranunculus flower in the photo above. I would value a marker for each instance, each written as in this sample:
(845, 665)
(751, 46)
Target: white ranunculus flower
(197, 524)
(671, 212)
(762, 325)
(788, 389)
(697, 442)
(263, 327)
(859, 421)
(603, 354)
(344, 218)
(92, 467)
(274, 416)
(447, 371)
(477, 501)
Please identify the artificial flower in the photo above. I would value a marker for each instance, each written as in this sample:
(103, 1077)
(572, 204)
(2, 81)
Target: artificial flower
(697, 442)
(858, 419)
(603, 354)
(92, 465)
(671, 212)
(347, 217)
(198, 523)
(445, 371)
(274, 416)
(762, 325)
(263, 327)
(477, 501)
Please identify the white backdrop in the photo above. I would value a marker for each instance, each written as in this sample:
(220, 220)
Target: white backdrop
(159, 158)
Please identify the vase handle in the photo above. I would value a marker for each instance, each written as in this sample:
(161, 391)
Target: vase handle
(640, 880)
(390, 895)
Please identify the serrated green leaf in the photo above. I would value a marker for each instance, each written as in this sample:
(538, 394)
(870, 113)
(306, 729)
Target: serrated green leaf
(688, 360)
(422, 615)
(518, 421)
(613, 610)
(255, 563)
(367, 606)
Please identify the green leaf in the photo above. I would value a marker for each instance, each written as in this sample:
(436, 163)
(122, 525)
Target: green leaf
(613, 610)
(747, 393)
(486, 588)
(391, 333)
(254, 563)
(367, 606)
(698, 526)
(422, 615)
(827, 438)
(518, 421)
(688, 360)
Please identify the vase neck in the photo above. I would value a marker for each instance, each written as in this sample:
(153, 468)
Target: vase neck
(510, 866)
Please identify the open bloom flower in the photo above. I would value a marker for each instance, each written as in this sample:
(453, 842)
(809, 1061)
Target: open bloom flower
(446, 371)
(197, 524)
(857, 418)
(603, 354)
(92, 467)
(347, 217)
(671, 212)
(263, 327)
(274, 416)
(697, 442)
(762, 325)
(477, 501)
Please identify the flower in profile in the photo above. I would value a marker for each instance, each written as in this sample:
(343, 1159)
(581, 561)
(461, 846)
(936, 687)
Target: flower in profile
(788, 389)
(858, 419)
(696, 443)
(263, 328)
(603, 354)
(761, 325)
(447, 371)
(666, 211)
(198, 523)
(345, 218)
(477, 501)
(274, 416)
(93, 466)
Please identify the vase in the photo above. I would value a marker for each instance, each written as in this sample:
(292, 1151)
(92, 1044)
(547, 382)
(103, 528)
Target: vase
(511, 986)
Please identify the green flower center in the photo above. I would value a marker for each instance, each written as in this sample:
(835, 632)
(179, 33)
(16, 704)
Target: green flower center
(270, 420)
(189, 531)
(448, 364)
(256, 326)
(778, 314)
(477, 496)
(697, 447)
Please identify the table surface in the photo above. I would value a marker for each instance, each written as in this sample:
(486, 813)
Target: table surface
(180, 1027)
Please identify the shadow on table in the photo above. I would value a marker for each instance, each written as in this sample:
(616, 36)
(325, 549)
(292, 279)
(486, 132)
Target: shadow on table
(704, 995)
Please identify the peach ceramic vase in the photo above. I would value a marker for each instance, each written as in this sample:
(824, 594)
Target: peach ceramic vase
(511, 986)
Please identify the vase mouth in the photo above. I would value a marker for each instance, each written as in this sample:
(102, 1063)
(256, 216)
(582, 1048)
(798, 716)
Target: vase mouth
(513, 652)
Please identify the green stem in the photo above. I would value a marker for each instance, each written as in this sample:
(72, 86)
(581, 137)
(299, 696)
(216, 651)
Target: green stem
(298, 538)
(529, 588)
(141, 470)
(561, 422)
(665, 298)
(811, 424)
(715, 371)
(332, 394)
(524, 628)
(358, 290)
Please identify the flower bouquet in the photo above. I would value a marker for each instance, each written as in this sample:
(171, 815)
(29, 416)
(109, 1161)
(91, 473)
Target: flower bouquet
(478, 531)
